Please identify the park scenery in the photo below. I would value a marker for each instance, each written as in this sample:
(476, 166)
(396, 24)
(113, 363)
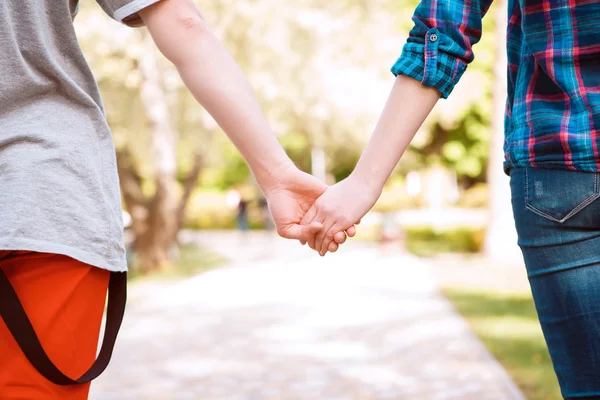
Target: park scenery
(429, 301)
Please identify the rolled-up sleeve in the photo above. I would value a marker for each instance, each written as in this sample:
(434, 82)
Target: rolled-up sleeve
(126, 11)
(439, 46)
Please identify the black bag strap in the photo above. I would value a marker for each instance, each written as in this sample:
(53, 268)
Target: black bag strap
(15, 318)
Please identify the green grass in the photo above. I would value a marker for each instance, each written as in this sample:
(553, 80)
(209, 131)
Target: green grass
(425, 241)
(507, 324)
(193, 260)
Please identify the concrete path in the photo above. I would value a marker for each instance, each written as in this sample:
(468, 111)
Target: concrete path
(283, 324)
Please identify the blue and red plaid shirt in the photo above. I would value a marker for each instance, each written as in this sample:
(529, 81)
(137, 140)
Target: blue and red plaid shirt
(553, 46)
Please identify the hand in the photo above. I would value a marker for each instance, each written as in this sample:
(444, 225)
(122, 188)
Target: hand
(339, 208)
(290, 197)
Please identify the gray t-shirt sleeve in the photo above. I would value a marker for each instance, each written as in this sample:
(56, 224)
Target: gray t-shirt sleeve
(126, 11)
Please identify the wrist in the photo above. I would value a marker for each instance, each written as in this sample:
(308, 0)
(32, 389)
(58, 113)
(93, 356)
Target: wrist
(273, 176)
(371, 185)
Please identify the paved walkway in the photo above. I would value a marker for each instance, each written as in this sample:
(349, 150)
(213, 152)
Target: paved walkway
(287, 325)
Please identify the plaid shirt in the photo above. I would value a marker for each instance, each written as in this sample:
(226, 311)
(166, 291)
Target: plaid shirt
(553, 47)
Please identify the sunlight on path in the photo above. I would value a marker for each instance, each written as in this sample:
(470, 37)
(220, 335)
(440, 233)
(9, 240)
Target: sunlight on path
(354, 325)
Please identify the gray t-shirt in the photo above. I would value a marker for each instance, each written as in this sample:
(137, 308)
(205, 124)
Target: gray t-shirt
(59, 189)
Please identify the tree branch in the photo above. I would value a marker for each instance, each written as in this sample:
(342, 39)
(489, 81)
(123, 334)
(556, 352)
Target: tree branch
(131, 181)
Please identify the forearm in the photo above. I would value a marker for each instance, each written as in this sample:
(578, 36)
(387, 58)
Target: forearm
(218, 84)
(407, 107)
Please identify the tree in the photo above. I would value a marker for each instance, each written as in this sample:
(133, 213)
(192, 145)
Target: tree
(132, 79)
(156, 218)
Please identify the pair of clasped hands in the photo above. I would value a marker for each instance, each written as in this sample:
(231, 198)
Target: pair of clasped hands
(306, 209)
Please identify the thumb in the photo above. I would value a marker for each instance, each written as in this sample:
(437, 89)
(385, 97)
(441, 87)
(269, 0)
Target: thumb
(309, 216)
(306, 221)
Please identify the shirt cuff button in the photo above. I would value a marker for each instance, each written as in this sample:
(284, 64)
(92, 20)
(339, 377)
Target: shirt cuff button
(433, 37)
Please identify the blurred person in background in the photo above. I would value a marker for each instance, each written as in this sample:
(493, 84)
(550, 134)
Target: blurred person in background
(552, 151)
(265, 214)
(61, 227)
(242, 215)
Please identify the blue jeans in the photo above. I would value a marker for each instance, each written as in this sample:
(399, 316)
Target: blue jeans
(557, 214)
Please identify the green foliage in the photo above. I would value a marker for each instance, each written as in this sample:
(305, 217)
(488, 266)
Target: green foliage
(476, 196)
(508, 326)
(394, 197)
(231, 172)
(208, 210)
(427, 241)
(342, 159)
(297, 147)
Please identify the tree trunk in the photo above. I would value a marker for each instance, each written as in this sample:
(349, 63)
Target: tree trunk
(501, 238)
(189, 183)
(154, 244)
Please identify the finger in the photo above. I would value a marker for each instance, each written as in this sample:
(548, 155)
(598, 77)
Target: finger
(340, 237)
(327, 238)
(333, 247)
(307, 219)
(309, 231)
(303, 240)
(312, 240)
(320, 238)
(300, 232)
(335, 233)
(351, 231)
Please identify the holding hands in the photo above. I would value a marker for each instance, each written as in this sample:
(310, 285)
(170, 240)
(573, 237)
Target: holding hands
(291, 196)
(339, 208)
(323, 214)
(304, 208)
(343, 205)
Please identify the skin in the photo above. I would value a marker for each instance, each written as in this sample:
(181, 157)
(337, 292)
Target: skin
(407, 107)
(219, 85)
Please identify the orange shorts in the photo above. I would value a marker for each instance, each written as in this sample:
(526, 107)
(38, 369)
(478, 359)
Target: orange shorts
(64, 300)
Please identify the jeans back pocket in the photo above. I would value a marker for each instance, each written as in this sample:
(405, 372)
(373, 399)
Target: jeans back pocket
(558, 195)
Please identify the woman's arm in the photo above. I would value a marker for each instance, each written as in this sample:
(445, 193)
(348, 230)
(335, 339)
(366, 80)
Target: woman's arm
(407, 107)
(347, 202)
(435, 56)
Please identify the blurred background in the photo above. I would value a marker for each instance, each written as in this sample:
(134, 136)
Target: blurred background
(430, 301)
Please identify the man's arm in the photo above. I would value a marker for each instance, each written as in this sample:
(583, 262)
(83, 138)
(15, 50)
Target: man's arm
(217, 83)
(347, 202)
